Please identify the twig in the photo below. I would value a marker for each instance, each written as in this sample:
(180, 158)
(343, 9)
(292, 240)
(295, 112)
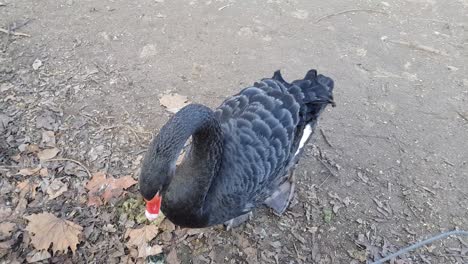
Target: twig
(135, 132)
(420, 244)
(100, 68)
(350, 11)
(221, 8)
(462, 116)
(327, 167)
(448, 163)
(325, 138)
(110, 155)
(19, 25)
(417, 46)
(90, 118)
(14, 33)
(74, 161)
(458, 24)
(324, 181)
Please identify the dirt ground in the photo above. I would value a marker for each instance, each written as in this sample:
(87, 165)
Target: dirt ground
(388, 166)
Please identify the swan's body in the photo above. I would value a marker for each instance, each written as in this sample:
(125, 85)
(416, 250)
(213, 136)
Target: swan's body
(241, 154)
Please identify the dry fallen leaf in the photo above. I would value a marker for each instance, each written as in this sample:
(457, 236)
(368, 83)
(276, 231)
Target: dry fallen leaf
(140, 237)
(36, 256)
(47, 154)
(29, 171)
(21, 206)
(32, 148)
(173, 102)
(44, 172)
(6, 228)
(46, 229)
(172, 257)
(167, 225)
(106, 188)
(48, 138)
(27, 187)
(5, 212)
(56, 188)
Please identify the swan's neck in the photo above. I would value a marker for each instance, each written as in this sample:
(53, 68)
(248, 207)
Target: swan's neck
(187, 190)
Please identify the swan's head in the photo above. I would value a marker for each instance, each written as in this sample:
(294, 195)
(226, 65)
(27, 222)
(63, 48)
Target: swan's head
(156, 173)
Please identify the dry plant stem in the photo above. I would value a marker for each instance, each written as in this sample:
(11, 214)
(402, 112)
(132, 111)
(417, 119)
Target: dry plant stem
(14, 33)
(74, 161)
(350, 11)
(419, 47)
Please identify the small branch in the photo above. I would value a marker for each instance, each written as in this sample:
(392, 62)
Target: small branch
(416, 46)
(462, 116)
(14, 33)
(221, 8)
(325, 138)
(327, 167)
(19, 25)
(135, 132)
(350, 11)
(74, 161)
(420, 244)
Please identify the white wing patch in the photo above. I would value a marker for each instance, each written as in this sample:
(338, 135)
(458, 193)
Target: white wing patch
(305, 136)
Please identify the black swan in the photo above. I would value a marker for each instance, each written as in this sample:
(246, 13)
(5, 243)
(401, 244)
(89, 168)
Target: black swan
(242, 154)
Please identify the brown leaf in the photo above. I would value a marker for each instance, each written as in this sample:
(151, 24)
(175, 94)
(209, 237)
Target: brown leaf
(7, 244)
(149, 251)
(173, 102)
(46, 229)
(47, 154)
(56, 188)
(5, 212)
(106, 188)
(29, 171)
(167, 225)
(172, 257)
(21, 206)
(32, 148)
(140, 237)
(6, 228)
(27, 187)
(44, 172)
(16, 157)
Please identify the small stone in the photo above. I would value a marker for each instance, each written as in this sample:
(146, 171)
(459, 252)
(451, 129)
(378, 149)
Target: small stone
(148, 51)
(166, 236)
(48, 138)
(37, 64)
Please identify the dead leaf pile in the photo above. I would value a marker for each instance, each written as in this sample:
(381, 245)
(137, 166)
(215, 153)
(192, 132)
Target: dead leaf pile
(173, 102)
(46, 229)
(139, 238)
(102, 189)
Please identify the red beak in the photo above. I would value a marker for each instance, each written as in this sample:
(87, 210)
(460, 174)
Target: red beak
(152, 207)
